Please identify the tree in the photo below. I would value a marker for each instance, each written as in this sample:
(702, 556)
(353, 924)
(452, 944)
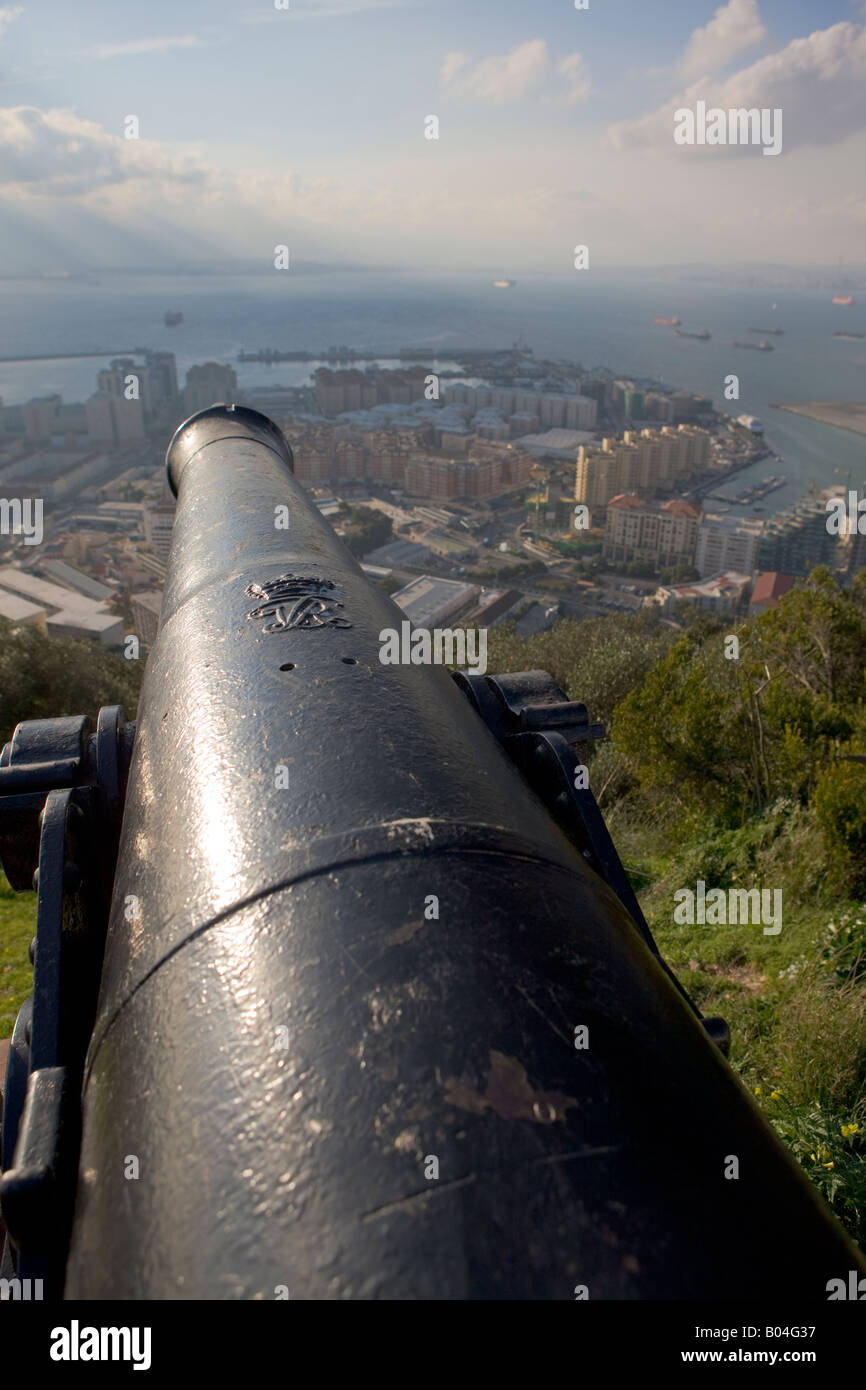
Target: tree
(42, 676)
(367, 530)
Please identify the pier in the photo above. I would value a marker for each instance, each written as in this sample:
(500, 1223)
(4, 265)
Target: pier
(62, 356)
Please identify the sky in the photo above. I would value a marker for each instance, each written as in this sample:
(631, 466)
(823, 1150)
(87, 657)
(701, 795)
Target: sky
(305, 127)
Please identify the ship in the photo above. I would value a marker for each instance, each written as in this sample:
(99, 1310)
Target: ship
(172, 318)
(762, 346)
(701, 333)
(773, 332)
(851, 336)
(751, 423)
(669, 323)
(504, 284)
(846, 300)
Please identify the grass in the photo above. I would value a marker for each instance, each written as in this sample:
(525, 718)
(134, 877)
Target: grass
(17, 927)
(795, 1002)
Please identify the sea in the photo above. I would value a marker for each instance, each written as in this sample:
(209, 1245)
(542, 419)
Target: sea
(598, 322)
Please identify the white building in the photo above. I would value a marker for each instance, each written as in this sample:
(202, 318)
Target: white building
(158, 527)
(728, 543)
(722, 592)
(67, 613)
(430, 602)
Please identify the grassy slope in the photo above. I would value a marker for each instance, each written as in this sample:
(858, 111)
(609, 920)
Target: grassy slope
(17, 926)
(798, 1024)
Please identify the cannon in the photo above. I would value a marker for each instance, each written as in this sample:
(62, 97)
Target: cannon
(341, 990)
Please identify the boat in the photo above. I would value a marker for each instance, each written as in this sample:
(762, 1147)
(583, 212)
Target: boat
(852, 337)
(172, 318)
(773, 332)
(762, 346)
(669, 323)
(504, 284)
(846, 300)
(751, 423)
(701, 333)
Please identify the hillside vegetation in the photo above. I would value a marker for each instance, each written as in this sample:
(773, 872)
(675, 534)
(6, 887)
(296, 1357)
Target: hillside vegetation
(736, 770)
(41, 677)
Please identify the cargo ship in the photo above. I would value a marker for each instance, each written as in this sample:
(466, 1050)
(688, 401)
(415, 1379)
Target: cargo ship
(772, 332)
(669, 323)
(846, 300)
(851, 336)
(701, 333)
(762, 346)
(172, 318)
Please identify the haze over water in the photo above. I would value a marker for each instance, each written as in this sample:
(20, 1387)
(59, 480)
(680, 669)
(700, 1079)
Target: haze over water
(597, 322)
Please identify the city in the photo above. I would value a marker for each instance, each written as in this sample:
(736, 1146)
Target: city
(505, 487)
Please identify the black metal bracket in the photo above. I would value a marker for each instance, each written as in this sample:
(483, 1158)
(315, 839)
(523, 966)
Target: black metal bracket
(62, 787)
(539, 728)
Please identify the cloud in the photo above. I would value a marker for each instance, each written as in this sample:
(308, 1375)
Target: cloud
(506, 77)
(57, 153)
(733, 28)
(158, 45)
(817, 82)
(510, 76)
(8, 15)
(576, 75)
(452, 64)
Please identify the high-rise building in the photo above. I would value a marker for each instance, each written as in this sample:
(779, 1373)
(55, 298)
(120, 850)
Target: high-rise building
(797, 540)
(639, 462)
(658, 534)
(127, 380)
(162, 369)
(728, 543)
(40, 418)
(158, 526)
(209, 384)
(113, 421)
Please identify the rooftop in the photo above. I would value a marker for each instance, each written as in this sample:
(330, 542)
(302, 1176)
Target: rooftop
(717, 586)
(770, 586)
(423, 598)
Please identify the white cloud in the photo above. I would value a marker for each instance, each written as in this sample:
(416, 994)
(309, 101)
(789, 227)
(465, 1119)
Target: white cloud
(57, 153)
(576, 74)
(510, 76)
(157, 45)
(505, 77)
(452, 63)
(8, 15)
(818, 83)
(733, 28)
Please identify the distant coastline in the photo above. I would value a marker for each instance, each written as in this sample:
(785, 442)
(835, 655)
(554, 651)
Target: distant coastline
(842, 415)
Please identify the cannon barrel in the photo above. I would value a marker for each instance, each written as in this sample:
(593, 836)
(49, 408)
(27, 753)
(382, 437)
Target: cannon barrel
(369, 1024)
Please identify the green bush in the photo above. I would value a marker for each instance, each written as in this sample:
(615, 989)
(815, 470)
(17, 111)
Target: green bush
(840, 803)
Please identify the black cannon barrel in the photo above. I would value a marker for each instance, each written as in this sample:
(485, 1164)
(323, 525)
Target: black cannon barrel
(349, 959)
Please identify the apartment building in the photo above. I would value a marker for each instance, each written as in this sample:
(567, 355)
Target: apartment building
(658, 534)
